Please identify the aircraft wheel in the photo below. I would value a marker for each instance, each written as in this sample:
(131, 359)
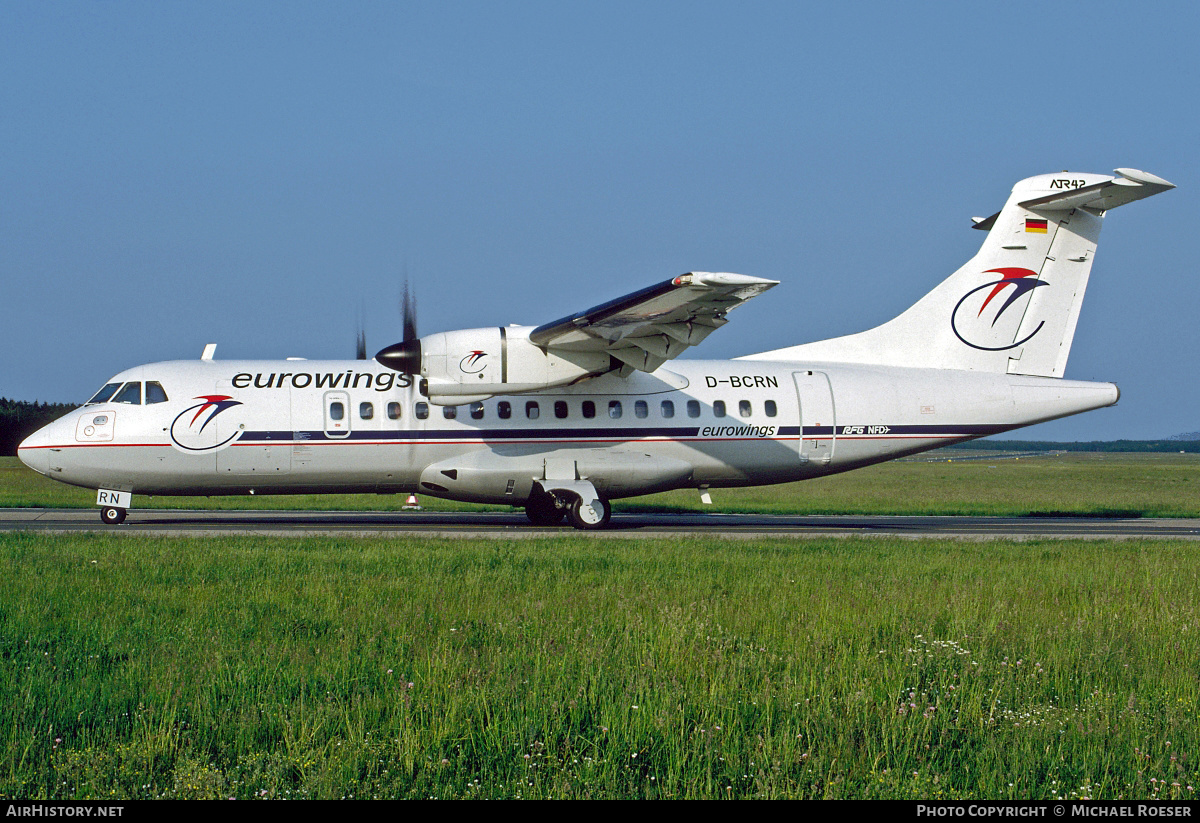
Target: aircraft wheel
(542, 510)
(590, 516)
(112, 515)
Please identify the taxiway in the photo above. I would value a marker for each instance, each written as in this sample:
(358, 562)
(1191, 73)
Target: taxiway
(493, 525)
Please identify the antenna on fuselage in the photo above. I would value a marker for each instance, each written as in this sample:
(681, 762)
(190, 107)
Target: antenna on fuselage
(209, 350)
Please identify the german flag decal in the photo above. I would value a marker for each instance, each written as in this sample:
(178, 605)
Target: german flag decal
(1035, 225)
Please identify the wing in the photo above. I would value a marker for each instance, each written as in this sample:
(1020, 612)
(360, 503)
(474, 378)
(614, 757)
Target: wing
(656, 324)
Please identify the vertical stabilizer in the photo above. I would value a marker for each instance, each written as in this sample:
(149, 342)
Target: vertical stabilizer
(1013, 308)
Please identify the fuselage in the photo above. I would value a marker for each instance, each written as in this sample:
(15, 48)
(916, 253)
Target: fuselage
(306, 426)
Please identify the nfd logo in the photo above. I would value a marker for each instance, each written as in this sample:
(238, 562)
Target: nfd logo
(188, 429)
(988, 317)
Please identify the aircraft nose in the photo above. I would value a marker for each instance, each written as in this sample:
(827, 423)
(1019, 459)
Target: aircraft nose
(34, 453)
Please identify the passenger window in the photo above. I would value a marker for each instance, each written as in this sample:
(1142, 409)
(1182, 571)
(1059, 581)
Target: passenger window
(744, 408)
(614, 409)
(476, 411)
(393, 410)
(560, 409)
(449, 412)
(130, 393)
(336, 411)
(640, 409)
(718, 408)
(155, 393)
(589, 409)
(366, 411)
(421, 410)
(104, 394)
(769, 408)
(668, 408)
(532, 411)
(693, 407)
(504, 410)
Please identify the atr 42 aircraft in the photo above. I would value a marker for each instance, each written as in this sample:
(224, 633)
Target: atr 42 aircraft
(567, 416)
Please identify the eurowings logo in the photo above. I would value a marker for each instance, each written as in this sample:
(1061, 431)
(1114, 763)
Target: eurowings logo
(472, 363)
(990, 326)
(187, 429)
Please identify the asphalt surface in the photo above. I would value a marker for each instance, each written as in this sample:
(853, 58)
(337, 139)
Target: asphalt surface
(492, 525)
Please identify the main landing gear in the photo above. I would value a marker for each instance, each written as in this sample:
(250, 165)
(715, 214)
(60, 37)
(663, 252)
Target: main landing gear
(545, 509)
(112, 515)
(593, 515)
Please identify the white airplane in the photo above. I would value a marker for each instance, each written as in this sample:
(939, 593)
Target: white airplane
(565, 417)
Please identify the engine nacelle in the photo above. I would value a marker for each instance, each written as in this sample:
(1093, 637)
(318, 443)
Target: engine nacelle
(468, 365)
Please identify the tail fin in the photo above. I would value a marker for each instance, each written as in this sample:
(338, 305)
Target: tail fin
(1014, 306)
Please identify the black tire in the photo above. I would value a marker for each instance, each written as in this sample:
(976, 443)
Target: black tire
(584, 517)
(542, 510)
(112, 515)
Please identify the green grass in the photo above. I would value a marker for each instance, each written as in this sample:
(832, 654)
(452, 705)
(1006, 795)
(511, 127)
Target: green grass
(139, 667)
(1146, 485)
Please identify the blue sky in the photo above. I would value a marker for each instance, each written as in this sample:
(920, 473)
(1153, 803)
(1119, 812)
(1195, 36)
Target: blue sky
(264, 175)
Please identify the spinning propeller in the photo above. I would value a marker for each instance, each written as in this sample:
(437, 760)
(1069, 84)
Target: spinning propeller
(404, 356)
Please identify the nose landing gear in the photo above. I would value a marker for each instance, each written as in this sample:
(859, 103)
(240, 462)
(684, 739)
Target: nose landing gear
(112, 515)
(113, 505)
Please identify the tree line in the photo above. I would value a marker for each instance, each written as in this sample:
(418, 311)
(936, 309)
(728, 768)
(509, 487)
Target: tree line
(20, 418)
(1165, 445)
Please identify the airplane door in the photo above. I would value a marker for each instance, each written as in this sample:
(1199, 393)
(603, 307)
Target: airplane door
(818, 428)
(337, 414)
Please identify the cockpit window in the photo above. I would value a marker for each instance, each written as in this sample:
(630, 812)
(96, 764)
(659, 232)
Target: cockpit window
(104, 394)
(130, 393)
(155, 393)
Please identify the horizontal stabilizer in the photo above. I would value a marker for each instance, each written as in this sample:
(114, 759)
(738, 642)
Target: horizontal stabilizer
(1097, 197)
(1129, 186)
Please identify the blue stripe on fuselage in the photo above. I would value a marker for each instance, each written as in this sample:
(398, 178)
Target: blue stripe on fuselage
(623, 433)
